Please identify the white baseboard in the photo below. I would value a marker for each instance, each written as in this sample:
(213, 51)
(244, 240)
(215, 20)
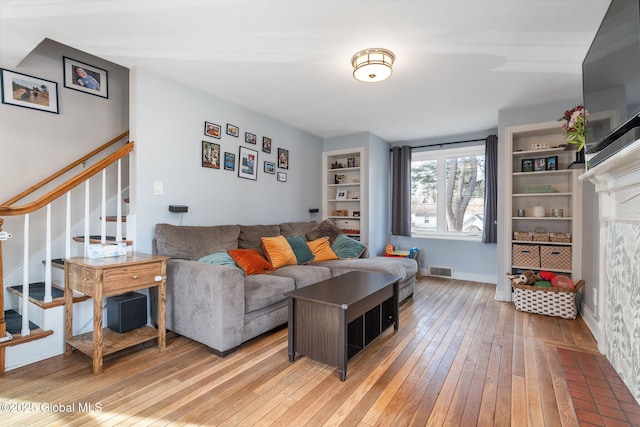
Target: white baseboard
(471, 277)
(594, 326)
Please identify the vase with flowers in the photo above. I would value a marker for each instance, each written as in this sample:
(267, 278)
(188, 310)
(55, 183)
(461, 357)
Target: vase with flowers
(573, 123)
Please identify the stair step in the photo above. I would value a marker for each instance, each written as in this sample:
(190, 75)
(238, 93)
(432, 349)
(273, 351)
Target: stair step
(56, 263)
(115, 218)
(13, 322)
(36, 295)
(13, 319)
(97, 239)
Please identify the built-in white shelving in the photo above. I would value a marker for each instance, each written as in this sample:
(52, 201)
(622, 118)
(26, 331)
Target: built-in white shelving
(343, 193)
(541, 178)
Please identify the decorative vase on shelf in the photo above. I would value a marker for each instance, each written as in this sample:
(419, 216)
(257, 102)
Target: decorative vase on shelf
(573, 124)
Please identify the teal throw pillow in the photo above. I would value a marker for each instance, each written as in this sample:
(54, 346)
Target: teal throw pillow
(220, 258)
(346, 247)
(301, 250)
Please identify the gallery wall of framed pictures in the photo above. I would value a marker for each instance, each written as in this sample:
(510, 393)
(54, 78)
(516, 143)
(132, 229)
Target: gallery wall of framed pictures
(36, 93)
(223, 152)
(226, 150)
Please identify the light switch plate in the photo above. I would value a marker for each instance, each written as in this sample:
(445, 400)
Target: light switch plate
(158, 188)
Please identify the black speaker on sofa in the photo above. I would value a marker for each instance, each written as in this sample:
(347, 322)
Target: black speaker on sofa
(126, 312)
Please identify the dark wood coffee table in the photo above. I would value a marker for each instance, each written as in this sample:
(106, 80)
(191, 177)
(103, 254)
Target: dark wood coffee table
(332, 320)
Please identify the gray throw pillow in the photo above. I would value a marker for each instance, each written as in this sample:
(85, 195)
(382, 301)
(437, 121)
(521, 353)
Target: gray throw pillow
(325, 229)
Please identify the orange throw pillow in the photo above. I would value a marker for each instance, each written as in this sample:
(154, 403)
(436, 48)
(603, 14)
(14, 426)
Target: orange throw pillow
(322, 249)
(278, 251)
(250, 260)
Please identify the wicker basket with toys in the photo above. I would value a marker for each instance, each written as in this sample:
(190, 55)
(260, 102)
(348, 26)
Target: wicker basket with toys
(545, 293)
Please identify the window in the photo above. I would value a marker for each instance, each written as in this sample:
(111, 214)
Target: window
(447, 193)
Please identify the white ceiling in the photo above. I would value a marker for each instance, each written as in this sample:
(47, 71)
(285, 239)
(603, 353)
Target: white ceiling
(457, 62)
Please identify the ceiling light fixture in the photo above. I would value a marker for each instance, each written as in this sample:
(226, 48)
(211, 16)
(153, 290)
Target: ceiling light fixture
(372, 65)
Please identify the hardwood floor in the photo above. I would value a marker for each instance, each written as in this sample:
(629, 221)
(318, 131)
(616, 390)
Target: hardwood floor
(459, 358)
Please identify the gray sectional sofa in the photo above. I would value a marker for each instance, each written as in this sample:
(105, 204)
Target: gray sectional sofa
(220, 307)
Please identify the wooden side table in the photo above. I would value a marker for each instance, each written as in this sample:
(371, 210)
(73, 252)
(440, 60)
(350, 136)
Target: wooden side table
(102, 277)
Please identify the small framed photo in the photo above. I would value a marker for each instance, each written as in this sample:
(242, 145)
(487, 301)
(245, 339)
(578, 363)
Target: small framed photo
(341, 195)
(85, 78)
(233, 130)
(540, 165)
(210, 155)
(269, 167)
(26, 91)
(266, 145)
(249, 138)
(229, 161)
(247, 164)
(212, 130)
(283, 158)
(356, 213)
(351, 162)
(527, 165)
(282, 177)
(552, 163)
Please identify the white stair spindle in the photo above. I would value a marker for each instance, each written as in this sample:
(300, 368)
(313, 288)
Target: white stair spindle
(25, 280)
(103, 223)
(47, 257)
(67, 226)
(119, 204)
(87, 194)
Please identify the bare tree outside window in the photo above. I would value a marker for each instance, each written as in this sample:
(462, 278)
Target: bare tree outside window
(461, 180)
(464, 185)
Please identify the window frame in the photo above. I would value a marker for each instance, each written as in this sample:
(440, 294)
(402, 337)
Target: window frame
(441, 155)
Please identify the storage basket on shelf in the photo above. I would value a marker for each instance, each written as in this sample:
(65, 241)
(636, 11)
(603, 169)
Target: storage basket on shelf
(556, 258)
(558, 302)
(540, 234)
(560, 237)
(525, 236)
(526, 256)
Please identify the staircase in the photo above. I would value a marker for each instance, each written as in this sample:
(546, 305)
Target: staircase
(44, 217)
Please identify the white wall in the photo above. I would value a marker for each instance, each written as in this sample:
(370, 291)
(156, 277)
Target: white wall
(470, 260)
(34, 144)
(379, 194)
(167, 123)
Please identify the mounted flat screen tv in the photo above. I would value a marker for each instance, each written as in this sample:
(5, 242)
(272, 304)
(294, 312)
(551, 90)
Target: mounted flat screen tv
(611, 81)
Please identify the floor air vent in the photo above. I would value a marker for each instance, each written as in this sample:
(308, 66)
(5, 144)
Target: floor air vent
(440, 271)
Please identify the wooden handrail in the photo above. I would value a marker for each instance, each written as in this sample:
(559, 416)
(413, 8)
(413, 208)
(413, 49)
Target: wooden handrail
(68, 185)
(64, 170)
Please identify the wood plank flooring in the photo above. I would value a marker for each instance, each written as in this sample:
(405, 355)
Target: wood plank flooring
(460, 358)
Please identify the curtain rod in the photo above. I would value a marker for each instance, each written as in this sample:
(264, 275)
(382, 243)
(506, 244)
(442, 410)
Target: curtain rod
(445, 143)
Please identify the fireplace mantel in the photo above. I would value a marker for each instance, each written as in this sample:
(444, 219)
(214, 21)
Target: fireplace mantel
(617, 182)
(619, 176)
